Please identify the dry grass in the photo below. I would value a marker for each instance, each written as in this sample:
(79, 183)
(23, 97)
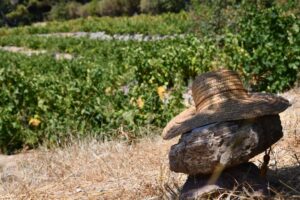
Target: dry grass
(117, 170)
(92, 170)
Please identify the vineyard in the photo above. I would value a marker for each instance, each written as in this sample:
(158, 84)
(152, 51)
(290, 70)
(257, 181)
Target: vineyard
(146, 24)
(88, 85)
(106, 87)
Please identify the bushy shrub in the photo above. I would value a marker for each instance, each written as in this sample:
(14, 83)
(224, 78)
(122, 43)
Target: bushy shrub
(266, 49)
(118, 7)
(111, 84)
(5, 7)
(89, 9)
(63, 10)
(73, 10)
(164, 24)
(150, 6)
(173, 6)
(159, 6)
(19, 16)
(58, 12)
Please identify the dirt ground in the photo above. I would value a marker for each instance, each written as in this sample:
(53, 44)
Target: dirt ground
(117, 170)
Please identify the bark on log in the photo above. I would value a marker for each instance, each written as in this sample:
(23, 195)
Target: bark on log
(227, 144)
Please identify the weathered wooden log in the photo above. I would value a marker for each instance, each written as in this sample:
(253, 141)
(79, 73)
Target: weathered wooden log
(234, 179)
(227, 144)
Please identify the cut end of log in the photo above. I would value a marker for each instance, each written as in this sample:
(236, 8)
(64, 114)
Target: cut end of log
(227, 143)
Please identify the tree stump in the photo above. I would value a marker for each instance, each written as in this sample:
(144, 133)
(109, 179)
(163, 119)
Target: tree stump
(225, 144)
(239, 178)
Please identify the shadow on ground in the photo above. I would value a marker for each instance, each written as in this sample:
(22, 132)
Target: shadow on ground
(286, 181)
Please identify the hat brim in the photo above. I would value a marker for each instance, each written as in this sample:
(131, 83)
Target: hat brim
(255, 105)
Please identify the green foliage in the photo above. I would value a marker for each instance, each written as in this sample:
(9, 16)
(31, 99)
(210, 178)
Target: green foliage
(63, 11)
(5, 7)
(100, 90)
(113, 84)
(18, 16)
(146, 24)
(58, 11)
(266, 49)
(89, 9)
(118, 7)
(25, 12)
(212, 15)
(148, 6)
(160, 6)
(22, 12)
(84, 95)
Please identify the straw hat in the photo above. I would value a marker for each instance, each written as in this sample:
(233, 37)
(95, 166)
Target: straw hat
(220, 96)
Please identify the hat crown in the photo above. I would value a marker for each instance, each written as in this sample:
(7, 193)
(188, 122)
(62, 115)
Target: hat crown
(213, 87)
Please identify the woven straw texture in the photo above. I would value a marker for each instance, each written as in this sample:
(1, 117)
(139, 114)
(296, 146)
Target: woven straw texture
(220, 96)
